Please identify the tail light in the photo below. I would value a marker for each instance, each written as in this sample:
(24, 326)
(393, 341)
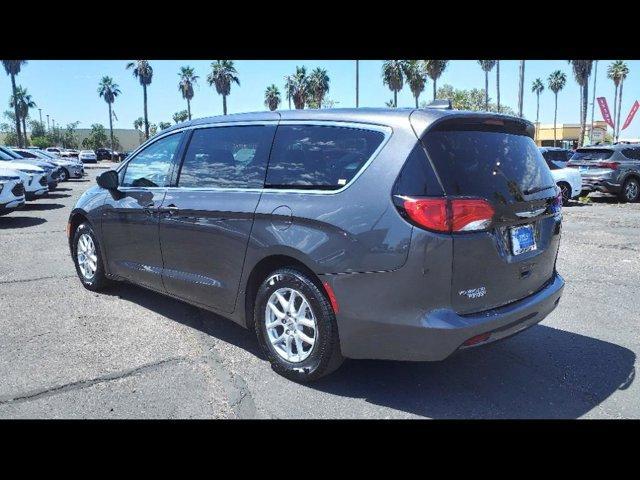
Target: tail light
(611, 165)
(449, 215)
(557, 202)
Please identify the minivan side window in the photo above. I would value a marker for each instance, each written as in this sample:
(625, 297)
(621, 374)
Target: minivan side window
(319, 157)
(152, 166)
(227, 157)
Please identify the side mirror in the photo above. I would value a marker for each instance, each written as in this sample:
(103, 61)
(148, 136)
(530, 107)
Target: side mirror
(108, 180)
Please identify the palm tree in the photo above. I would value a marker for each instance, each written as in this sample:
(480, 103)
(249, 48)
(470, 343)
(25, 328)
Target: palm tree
(222, 75)
(138, 123)
(393, 74)
(12, 67)
(537, 87)
(288, 88)
(144, 73)
(318, 85)
(272, 97)
(434, 69)
(520, 87)
(109, 91)
(498, 84)
(582, 72)
(23, 101)
(617, 71)
(298, 87)
(416, 78)
(556, 82)
(487, 66)
(187, 79)
(164, 125)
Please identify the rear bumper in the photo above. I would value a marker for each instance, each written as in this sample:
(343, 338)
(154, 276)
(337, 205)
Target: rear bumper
(600, 185)
(439, 333)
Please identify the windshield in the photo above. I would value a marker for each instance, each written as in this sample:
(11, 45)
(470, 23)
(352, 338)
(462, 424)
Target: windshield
(592, 154)
(11, 154)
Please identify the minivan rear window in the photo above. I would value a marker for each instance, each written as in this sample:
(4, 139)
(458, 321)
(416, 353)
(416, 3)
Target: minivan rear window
(319, 157)
(587, 154)
(494, 165)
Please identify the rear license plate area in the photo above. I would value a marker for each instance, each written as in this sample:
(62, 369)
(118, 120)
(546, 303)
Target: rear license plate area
(522, 239)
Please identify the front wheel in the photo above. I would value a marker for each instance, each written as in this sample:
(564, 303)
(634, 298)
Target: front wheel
(630, 191)
(87, 258)
(64, 175)
(296, 326)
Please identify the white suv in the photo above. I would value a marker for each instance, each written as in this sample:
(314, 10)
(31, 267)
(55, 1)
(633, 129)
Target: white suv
(11, 190)
(36, 184)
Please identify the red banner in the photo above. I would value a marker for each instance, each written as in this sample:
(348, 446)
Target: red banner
(604, 108)
(633, 111)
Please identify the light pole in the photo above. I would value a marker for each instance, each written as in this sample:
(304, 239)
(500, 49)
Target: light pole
(593, 101)
(40, 110)
(48, 124)
(357, 83)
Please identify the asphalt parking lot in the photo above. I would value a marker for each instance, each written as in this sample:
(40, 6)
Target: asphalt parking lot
(129, 353)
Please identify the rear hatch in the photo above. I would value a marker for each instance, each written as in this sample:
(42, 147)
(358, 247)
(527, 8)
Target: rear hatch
(592, 161)
(495, 159)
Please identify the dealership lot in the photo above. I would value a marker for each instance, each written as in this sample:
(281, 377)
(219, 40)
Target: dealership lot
(66, 352)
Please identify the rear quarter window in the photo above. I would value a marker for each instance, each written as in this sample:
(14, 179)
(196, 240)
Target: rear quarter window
(319, 157)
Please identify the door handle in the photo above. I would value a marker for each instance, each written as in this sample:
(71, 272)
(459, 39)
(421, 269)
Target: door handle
(170, 209)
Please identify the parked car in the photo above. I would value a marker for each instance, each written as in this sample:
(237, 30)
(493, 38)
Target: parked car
(568, 180)
(107, 154)
(54, 150)
(614, 169)
(336, 236)
(69, 168)
(53, 171)
(69, 152)
(11, 191)
(560, 156)
(35, 184)
(87, 156)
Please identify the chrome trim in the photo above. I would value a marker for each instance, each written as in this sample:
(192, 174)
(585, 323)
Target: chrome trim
(531, 213)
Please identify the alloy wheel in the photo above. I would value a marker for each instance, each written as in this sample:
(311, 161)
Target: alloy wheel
(631, 190)
(290, 324)
(87, 257)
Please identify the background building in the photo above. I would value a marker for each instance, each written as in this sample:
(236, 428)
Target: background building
(567, 134)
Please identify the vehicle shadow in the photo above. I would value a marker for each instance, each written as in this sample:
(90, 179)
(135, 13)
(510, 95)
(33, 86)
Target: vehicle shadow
(57, 195)
(541, 373)
(32, 207)
(7, 222)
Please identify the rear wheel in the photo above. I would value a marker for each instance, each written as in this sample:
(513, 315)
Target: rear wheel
(296, 326)
(630, 191)
(87, 258)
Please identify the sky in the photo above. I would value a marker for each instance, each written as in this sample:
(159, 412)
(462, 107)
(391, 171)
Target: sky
(66, 90)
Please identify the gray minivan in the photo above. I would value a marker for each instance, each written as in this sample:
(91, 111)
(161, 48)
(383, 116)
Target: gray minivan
(405, 234)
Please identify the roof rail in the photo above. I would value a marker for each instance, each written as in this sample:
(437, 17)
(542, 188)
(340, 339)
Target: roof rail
(444, 104)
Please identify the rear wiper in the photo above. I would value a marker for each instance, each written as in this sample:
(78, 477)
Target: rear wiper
(537, 189)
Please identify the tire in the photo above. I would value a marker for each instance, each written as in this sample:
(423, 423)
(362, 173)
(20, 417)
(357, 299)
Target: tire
(64, 175)
(315, 361)
(565, 189)
(98, 281)
(630, 191)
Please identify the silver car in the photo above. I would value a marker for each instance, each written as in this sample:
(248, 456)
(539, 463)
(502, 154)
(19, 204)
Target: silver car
(69, 167)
